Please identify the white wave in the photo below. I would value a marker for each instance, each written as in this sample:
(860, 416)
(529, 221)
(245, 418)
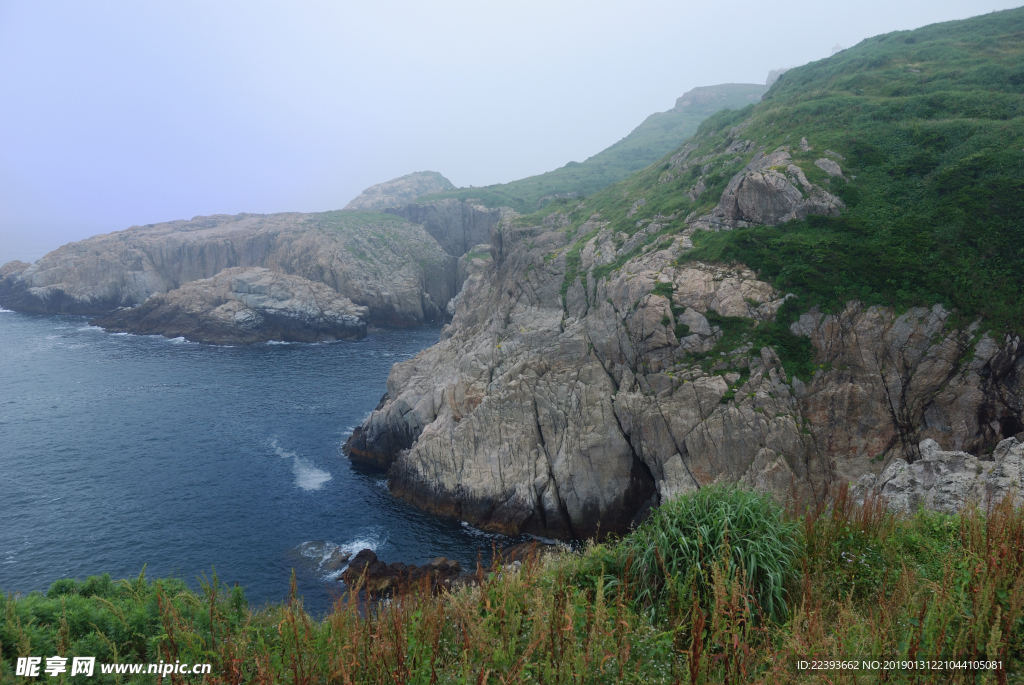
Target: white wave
(278, 342)
(6, 311)
(331, 559)
(476, 532)
(88, 328)
(307, 476)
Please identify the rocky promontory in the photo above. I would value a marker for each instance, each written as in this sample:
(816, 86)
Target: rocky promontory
(592, 370)
(392, 267)
(243, 305)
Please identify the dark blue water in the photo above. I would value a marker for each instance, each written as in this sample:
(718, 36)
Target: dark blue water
(118, 451)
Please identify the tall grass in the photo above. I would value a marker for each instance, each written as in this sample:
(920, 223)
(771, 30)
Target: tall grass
(677, 547)
(860, 582)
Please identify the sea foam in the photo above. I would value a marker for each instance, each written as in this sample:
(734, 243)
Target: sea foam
(307, 476)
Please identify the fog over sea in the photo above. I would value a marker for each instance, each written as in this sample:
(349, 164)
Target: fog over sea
(118, 451)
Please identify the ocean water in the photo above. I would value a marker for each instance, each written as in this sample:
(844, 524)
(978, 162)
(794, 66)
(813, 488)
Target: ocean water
(120, 451)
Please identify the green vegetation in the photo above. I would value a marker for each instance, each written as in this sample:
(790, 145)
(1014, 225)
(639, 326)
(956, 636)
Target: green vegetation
(718, 586)
(677, 547)
(930, 125)
(656, 136)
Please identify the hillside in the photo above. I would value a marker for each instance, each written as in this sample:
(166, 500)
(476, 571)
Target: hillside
(822, 288)
(658, 134)
(926, 127)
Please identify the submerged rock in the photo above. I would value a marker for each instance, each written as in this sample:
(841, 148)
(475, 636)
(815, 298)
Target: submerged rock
(244, 305)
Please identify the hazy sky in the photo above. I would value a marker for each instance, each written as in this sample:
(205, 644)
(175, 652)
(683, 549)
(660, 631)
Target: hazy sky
(122, 113)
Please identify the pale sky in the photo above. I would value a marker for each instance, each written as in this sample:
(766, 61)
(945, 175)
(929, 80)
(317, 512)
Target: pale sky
(122, 113)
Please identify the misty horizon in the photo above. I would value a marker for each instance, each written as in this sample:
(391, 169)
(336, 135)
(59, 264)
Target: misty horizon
(129, 115)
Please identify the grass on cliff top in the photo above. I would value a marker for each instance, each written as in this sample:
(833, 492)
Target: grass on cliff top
(680, 600)
(929, 125)
(657, 135)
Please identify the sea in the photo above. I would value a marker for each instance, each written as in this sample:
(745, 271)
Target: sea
(125, 454)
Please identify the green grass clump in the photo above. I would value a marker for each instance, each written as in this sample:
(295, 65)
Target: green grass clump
(686, 536)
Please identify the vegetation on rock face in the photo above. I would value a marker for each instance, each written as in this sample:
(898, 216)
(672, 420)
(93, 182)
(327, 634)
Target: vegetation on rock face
(858, 581)
(657, 135)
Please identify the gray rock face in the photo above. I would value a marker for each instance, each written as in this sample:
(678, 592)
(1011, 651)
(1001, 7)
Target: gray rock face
(13, 268)
(889, 382)
(393, 268)
(399, 191)
(770, 190)
(244, 305)
(829, 167)
(948, 481)
(567, 417)
(457, 225)
(526, 418)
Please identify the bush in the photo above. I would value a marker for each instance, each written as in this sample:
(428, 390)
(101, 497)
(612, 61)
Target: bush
(676, 547)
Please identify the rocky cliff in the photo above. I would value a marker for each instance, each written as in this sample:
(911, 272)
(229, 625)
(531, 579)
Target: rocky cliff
(399, 191)
(244, 305)
(457, 225)
(381, 262)
(594, 368)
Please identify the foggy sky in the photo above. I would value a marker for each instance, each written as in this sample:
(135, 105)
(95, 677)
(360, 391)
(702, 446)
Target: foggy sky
(122, 113)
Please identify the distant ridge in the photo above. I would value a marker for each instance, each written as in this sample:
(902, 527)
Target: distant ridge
(659, 134)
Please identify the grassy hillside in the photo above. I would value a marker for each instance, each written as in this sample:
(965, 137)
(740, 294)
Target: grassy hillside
(657, 135)
(929, 128)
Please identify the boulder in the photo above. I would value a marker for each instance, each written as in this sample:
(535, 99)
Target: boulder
(829, 167)
(770, 190)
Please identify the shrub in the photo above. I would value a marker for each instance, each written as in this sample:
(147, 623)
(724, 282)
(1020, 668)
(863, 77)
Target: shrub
(677, 546)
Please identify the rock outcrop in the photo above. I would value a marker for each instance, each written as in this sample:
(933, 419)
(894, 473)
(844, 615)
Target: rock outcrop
(368, 572)
(244, 305)
(399, 191)
(567, 406)
(770, 190)
(947, 481)
(457, 225)
(384, 263)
